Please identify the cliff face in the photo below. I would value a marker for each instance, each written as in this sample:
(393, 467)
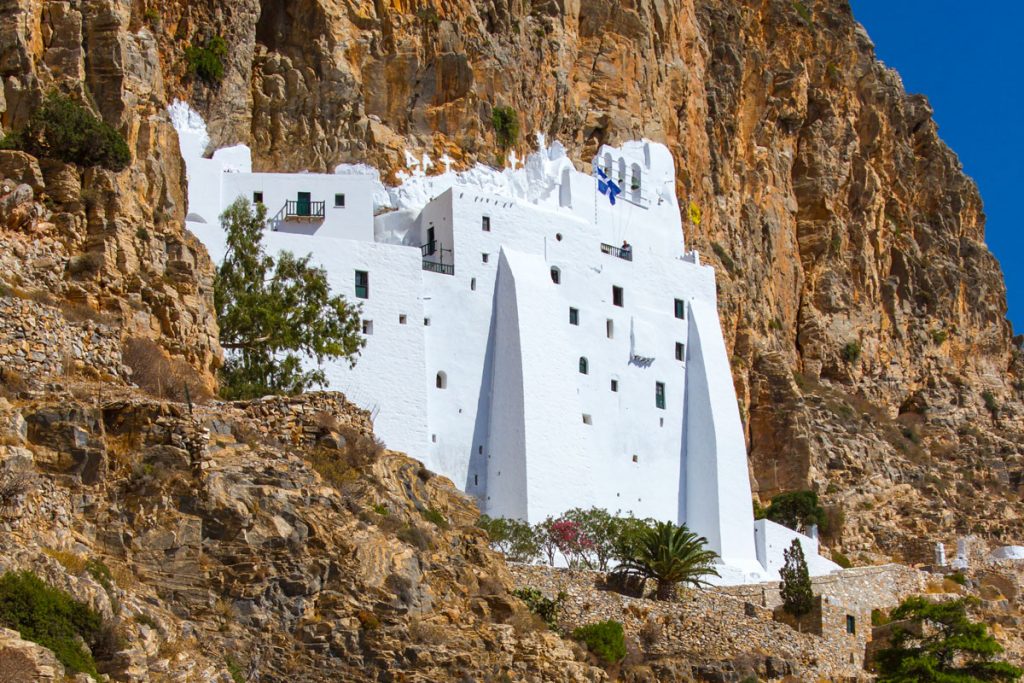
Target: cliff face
(110, 243)
(864, 312)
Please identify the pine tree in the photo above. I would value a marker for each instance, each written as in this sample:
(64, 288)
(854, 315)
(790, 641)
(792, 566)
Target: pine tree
(273, 313)
(797, 596)
(946, 648)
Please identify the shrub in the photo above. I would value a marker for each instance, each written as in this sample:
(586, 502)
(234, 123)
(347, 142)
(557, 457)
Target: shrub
(368, 620)
(605, 639)
(51, 618)
(436, 518)
(991, 405)
(723, 256)
(234, 669)
(879, 618)
(514, 538)
(414, 536)
(167, 378)
(64, 129)
(851, 352)
(506, 126)
(957, 577)
(207, 60)
(13, 485)
(544, 607)
(842, 560)
(938, 336)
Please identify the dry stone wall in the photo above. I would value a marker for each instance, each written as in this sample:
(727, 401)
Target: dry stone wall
(726, 624)
(37, 340)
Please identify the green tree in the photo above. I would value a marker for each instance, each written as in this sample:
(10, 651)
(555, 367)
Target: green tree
(272, 313)
(797, 510)
(514, 538)
(670, 555)
(945, 647)
(631, 532)
(61, 128)
(797, 596)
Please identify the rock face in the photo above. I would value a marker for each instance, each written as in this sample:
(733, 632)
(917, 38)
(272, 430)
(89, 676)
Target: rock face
(849, 243)
(276, 538)
(109, 242)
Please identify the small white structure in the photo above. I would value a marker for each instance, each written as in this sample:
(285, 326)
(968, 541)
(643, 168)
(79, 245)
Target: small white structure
(539, 345)
(1008, 552)
(940, 554)
(772, 540)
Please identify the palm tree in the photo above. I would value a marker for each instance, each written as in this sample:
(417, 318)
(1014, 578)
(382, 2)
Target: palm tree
(670, 555)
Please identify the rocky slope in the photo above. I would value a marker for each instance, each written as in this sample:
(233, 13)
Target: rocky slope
(865, 314)
(276, 540)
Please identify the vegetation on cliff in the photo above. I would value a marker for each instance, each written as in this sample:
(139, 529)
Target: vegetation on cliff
(61, 128)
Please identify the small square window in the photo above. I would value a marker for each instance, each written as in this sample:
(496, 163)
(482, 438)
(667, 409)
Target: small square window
(574, 316)
(615, 385)
(680, 309)
(609, 328)
(485, 223)
(617, 296)
(472, 283)
(480, 450)
(402, 319)
(636, 458)
(485, 257)
(426, 322)
(659, 395)
(680, 351)
(339, 201)
(587, 420)
(367, 327)
(362, 284)
(851, 624)
(433, 438)
(257, 197)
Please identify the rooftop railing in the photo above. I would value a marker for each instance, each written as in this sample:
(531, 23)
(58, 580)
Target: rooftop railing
(625, 254)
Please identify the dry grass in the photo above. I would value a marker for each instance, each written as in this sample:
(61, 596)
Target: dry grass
(161, 376)
(12, 382)
(427, 633)
(75, 564)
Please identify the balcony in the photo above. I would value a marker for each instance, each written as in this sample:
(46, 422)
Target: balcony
(428, 249)
(624, 254)
(304, 211)
(442, 268)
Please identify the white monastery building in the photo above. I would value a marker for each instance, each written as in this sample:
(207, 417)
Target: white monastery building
(538, 344)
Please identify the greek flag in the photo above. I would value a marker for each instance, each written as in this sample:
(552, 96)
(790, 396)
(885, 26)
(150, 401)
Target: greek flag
(607, 186)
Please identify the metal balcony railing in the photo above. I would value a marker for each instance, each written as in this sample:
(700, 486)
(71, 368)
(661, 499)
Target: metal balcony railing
(429, 248)
(625, 254)
(443, 268)
(301, 210)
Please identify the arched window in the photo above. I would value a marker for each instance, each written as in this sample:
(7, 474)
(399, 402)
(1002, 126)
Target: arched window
(608, 164)
(441, 382)
(556, 275)
(634, 180)
(584, 365)
(622, 174)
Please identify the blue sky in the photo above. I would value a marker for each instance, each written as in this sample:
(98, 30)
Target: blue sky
(967, 58)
